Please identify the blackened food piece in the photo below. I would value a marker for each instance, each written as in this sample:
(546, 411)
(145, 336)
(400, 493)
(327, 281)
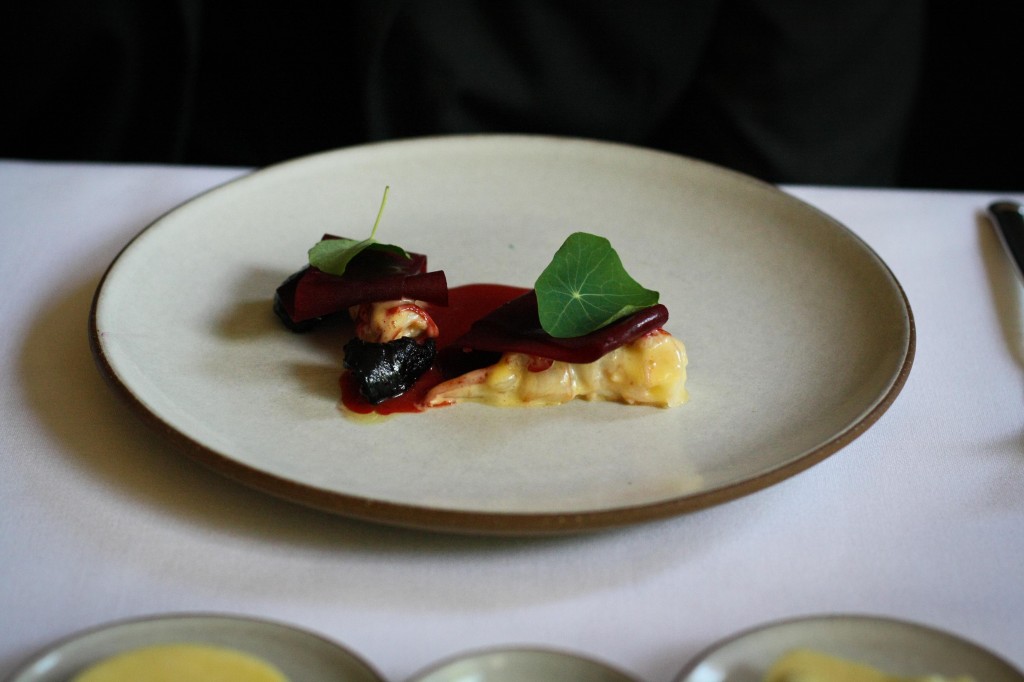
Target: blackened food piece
(387, 370)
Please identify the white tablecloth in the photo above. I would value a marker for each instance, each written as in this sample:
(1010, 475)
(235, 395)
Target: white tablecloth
(921, 518)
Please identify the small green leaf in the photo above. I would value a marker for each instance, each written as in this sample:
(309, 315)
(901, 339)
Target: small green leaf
(585, 287)
(333, 255)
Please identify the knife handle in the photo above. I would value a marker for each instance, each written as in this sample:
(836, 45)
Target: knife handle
(1008, 218)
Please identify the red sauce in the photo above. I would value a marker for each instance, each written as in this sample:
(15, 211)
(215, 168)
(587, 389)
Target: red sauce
(466, 305)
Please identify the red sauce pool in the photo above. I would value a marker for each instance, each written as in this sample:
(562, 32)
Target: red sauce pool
(466, 305)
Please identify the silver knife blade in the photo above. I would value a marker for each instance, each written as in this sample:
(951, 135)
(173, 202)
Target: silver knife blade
(1008, 219)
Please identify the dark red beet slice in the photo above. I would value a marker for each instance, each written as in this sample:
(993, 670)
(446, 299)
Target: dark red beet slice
(515, 328)
(311, 293)
(372, 276)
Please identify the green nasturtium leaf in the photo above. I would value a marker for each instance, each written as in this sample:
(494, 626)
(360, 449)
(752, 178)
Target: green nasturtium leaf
(585, 287)
(333, 255)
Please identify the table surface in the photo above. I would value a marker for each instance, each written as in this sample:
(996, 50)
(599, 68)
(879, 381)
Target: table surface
(921, 518)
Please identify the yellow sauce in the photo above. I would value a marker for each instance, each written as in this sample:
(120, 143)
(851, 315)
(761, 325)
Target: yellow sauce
(648, 371)
(804, 665)
(181, 663)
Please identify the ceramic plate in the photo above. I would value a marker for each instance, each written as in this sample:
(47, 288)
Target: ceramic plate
(799, 337)
(301, 656)
(521, 665)
(897, 647)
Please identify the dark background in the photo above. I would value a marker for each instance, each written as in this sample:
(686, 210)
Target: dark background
(965, 130)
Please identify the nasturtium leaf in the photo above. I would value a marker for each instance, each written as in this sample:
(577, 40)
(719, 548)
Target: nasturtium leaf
(585, 287)
(333, 255)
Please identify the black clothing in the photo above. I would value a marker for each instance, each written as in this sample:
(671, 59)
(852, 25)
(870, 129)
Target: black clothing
(788, 90)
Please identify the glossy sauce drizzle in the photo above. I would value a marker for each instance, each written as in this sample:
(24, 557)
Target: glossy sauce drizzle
(466, 305)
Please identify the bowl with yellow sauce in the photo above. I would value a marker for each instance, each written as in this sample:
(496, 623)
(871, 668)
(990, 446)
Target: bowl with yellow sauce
(521, 664)
(196, 648)
(848, 648)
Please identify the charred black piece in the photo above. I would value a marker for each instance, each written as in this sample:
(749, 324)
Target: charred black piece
(387, 370)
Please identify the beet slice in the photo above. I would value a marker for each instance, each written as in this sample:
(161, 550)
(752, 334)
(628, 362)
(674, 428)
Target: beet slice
(311, 294)
(515, 328)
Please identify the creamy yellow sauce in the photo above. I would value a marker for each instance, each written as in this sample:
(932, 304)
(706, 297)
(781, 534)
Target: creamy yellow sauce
(649, 371)
(181, 663)
(805, 665)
